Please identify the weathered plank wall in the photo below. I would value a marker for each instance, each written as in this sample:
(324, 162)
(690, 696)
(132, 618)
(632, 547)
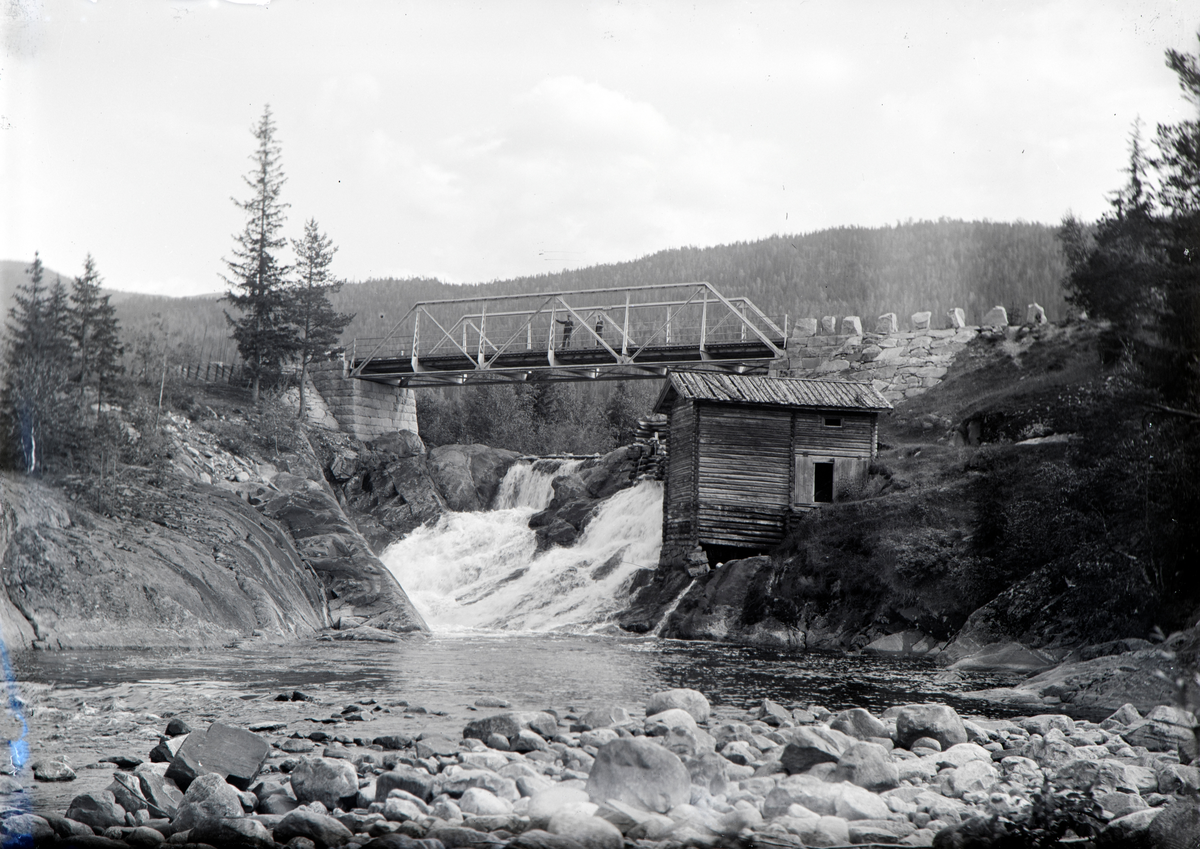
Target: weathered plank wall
(679, 495)
(743, 486)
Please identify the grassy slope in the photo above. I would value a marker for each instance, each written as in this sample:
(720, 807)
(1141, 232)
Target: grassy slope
(1054, 543)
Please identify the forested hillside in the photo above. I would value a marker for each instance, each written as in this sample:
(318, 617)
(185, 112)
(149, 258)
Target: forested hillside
(929, 265)
(926, 265)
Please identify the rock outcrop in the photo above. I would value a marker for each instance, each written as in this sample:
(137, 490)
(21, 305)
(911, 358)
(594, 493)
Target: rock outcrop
(577, 496)
(361, 589)
(194, 566)
(392, 486)
(468, 476)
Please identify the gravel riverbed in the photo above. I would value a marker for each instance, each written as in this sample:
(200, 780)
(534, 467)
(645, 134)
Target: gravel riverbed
(303, 768)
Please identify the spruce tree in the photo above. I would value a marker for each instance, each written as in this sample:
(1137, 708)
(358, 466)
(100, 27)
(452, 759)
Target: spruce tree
(318, 325)
(93, 327)
(257, 280)
(34, 410)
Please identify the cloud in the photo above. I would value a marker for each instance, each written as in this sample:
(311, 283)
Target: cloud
(580, 173)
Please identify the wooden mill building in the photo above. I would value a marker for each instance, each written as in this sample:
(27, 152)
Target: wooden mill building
(746, 453)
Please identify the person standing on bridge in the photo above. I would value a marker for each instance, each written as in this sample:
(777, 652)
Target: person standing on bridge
(599, 329)
(568, 329)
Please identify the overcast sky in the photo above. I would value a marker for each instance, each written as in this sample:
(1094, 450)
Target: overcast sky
(477, 141)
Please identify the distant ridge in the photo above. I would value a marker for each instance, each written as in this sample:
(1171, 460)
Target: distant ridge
(866, 271)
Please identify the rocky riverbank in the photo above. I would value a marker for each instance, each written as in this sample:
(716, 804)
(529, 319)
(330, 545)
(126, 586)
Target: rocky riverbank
(224, 541)
(668, 773)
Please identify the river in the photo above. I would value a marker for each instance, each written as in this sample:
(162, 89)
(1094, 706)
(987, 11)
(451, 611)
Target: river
(533, 629)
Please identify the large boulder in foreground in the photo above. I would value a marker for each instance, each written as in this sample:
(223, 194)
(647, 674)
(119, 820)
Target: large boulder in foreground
(208, 797)
(810, 745)
(692, 701)
(331, 781)
(231, 753)
(324, 831)
(640, 773)
(940, 722)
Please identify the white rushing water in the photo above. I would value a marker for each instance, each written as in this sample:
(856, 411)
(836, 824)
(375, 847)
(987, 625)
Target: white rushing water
(479, 572)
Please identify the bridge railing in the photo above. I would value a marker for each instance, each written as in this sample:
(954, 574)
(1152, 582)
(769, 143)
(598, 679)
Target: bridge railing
(622, 321)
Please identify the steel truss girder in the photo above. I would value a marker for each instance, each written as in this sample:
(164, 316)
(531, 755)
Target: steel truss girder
(447, 361)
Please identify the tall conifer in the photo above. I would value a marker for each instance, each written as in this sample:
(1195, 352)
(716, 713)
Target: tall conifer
(257, 280)
(34, 410)
(93, 327)
(318, 325)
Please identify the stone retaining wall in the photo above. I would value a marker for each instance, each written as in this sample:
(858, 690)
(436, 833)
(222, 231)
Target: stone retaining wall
(364, 409)
(899, 365)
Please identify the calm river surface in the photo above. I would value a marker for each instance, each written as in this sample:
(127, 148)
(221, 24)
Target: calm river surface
(87, 706)
(530, 671)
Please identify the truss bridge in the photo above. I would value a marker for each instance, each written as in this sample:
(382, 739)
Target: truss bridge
(622, 333)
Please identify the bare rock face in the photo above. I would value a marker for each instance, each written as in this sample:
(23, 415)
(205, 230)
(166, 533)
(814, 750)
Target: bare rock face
(194, 566)
(363, 589)
(578, 495)
(713, 608)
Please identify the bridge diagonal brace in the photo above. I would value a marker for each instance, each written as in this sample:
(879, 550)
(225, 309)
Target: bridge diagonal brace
(616, 357)
(516, 333)
(662, 327)
(761, 336)
(413, 309)
(445, 333)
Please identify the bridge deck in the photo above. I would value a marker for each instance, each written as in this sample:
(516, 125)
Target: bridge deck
(572, 364)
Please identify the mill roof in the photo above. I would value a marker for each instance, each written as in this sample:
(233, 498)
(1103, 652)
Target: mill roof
(771, 391)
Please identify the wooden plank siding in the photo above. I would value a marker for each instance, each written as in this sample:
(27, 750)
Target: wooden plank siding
(853, 439)
(849, 447)
(679, 488)
(744, 482)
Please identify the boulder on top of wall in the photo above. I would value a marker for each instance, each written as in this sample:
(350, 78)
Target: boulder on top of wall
(852, 326)
(921, 320)
(887, 323)
(829, 324)
(958, 318)
(804, 327)
(1034, 314)
(997, 316)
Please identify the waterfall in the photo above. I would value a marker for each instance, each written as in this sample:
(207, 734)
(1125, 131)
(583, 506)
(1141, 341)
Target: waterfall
(531, 484)
(473, 572)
